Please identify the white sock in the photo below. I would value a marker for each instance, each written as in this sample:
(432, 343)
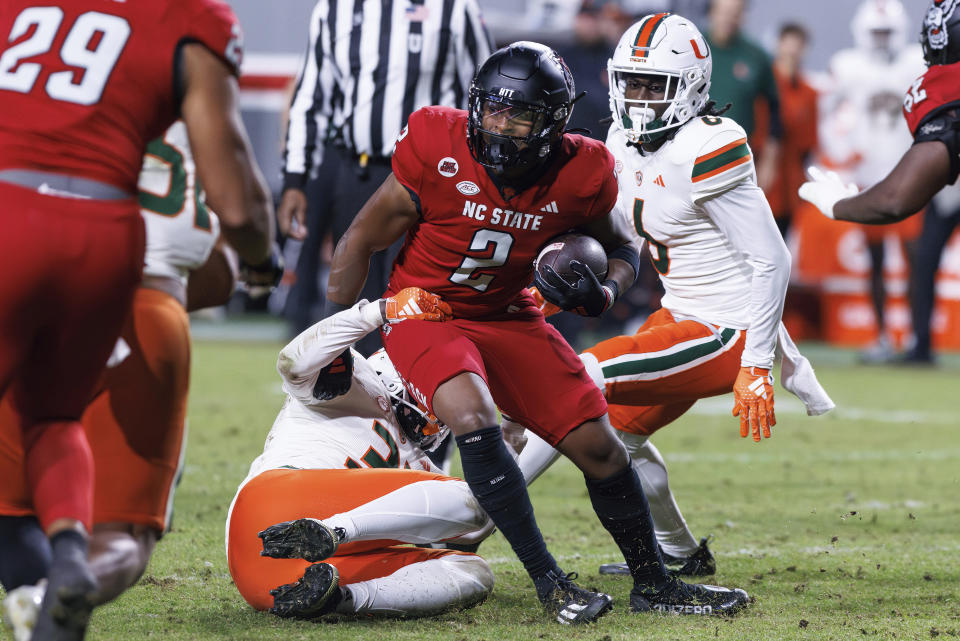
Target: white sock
(535, 457)
(422, 512)
(422, 589)
(674, 536)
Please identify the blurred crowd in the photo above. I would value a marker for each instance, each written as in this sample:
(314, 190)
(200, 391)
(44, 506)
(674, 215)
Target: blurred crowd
(847, 119)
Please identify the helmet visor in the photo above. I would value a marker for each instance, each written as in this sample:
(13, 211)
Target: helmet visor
(501, 119)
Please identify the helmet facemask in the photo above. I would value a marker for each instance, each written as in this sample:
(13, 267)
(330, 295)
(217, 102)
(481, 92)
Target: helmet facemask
(421, 427)
(638, 117)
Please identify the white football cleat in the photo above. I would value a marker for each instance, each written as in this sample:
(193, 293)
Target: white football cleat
(20, 609)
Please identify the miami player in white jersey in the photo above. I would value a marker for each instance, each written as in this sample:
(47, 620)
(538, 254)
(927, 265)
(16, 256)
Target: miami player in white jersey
(865, 135)
(319, 524)
(688, 187)
(136, 422)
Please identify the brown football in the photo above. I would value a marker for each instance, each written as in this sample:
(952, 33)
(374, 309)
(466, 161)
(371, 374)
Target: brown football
(560, 250)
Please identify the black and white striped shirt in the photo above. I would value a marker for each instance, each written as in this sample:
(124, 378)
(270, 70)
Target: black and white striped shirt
(370, 64)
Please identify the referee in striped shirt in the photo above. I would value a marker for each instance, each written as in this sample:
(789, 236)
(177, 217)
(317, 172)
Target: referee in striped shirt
(369, 65)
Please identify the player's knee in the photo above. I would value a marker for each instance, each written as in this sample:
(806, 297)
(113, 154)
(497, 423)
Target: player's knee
(595, 449)
(475, 578)
(464, 404)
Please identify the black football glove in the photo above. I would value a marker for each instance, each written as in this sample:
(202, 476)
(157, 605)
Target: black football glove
(261, 279)
(588, 296)
(334, 379)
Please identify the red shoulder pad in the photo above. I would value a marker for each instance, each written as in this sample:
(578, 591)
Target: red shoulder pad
(595, 164)
(939, 86)
(214, 24)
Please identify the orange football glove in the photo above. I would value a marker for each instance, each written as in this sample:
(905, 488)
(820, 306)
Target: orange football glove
(545, 306)
(414, 303)
(753, 402)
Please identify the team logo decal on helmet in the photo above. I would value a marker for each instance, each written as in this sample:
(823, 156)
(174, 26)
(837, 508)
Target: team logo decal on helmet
(520, 101)
(669, 48)
(420, 426)
(940, 23)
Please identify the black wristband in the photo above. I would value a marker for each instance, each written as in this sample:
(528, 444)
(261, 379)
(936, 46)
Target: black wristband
(614, 289)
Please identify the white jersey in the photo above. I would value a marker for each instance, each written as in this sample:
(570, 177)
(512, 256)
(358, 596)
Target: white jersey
(355, 430)
(709, 229)
(870, 88)
(181, 231)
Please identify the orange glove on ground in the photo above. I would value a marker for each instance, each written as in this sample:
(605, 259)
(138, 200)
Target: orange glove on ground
(753, 402)
(414, 303)
(548, 308)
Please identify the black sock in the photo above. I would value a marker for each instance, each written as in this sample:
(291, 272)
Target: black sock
(622, 507)
(498, 485)
(68, 543)
(25, 552)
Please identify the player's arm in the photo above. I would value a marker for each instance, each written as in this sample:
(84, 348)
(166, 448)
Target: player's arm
(921, 173)
(302, 362)
(743, 215)
(623, 256)
(385, 217)
(234, 187)
(308, 120)
(212, 284)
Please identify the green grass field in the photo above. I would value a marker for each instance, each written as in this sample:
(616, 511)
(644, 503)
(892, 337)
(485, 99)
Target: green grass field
(841, 527)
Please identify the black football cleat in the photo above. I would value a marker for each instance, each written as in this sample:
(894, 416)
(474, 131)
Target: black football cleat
(314, 594)
(308, 539)
(68, 601)
(571, 604)
(689, 598)
(700, 563)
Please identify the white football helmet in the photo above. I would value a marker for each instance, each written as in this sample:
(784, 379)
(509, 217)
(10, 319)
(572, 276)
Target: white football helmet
(666, 45)
(880, 26)
(420, 426)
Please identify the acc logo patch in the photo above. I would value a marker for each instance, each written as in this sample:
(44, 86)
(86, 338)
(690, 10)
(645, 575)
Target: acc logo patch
(467, 187)
(448, 167)
(617, 168)
(639, 176)
(382, 402)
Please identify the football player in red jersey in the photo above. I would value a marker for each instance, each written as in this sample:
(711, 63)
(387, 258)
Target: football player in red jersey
(84, 86)
(478, 193)
(932, 110)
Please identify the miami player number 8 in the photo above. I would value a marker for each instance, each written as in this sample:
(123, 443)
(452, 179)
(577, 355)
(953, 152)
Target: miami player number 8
(97, 63)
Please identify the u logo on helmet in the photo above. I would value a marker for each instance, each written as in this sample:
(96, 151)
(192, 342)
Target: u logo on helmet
(696, 49)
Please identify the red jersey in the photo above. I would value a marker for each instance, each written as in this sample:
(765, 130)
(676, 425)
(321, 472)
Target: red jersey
(86, 84)
(472, 246)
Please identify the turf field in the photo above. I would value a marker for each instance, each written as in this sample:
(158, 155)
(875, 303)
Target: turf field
(841, 527)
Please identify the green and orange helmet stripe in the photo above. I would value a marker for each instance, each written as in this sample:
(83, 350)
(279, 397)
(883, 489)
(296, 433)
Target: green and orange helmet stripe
(647, 30)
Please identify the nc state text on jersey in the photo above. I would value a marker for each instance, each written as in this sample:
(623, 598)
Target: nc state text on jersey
(502, 217)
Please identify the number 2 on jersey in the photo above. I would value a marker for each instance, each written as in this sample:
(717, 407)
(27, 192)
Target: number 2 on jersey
(661, 262)
(106, 33)
(481, 241)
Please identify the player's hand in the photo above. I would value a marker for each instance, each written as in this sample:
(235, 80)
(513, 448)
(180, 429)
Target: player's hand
(587, 297)
(334, 379)
(260, 280)
(545, 306)
(293, 209)
(753, 402)
(414, 303)
(824, 189)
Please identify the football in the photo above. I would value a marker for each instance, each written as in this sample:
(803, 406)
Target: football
(560, 250)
